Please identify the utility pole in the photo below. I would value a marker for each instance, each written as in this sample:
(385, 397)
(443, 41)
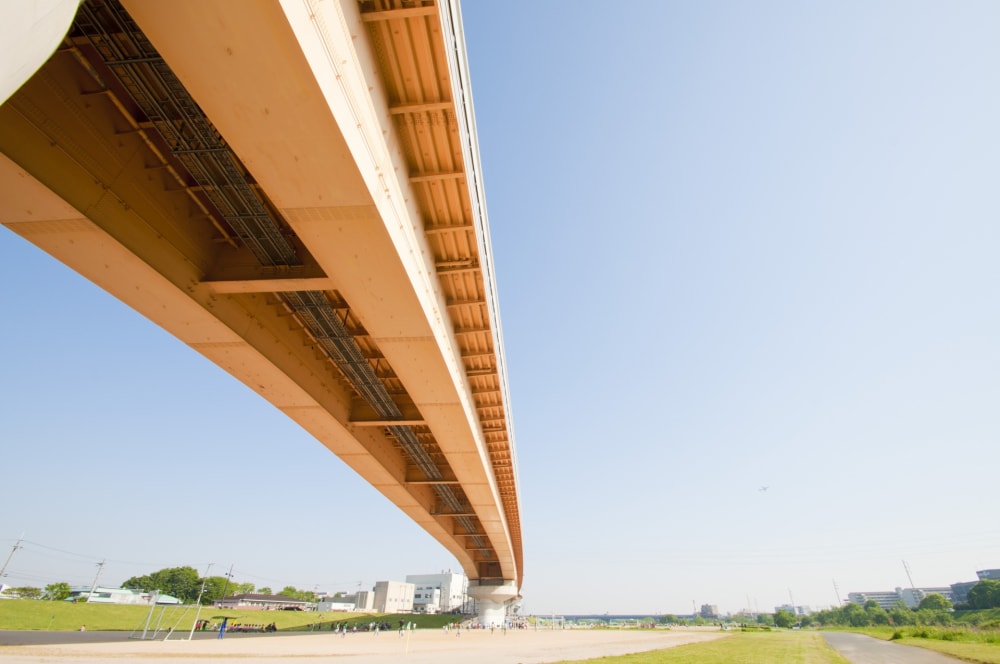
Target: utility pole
(17, 545)
(100, 566)
(840, 602)
(914, 593)
(229, 575)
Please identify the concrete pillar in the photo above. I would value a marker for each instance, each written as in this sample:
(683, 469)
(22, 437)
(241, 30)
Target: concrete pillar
(492, 601)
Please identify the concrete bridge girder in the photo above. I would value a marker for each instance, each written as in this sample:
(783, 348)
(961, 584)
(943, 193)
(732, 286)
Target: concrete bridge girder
(254, 78)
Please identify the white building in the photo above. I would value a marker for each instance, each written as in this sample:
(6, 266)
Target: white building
(336, 604)
(427, 600)
(263, 602)
(394, 597)
(364, 600)
(102, 595)
(890, 599)
(794, 610)
(361, 601)
(438, 593)
(913, 596)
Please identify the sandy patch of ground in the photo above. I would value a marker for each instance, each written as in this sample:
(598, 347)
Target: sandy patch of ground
(419, 647)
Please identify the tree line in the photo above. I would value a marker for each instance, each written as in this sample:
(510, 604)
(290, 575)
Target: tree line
(933, 609)
(184, 583)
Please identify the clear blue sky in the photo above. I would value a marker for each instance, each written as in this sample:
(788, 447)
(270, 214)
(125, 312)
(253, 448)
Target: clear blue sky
(737, 245)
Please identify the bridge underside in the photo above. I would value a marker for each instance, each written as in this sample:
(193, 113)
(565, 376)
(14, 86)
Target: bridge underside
(288, 191)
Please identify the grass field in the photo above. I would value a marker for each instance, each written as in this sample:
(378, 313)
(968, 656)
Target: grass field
(27, 614)
(980, 653)
(779, 647)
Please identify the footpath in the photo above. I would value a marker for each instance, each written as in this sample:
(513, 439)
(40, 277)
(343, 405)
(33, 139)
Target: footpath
(861, 649)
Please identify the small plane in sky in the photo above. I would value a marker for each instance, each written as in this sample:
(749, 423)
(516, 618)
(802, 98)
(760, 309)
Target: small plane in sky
(763, 489)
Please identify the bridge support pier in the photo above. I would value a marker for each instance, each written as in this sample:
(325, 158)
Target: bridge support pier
(492, 601)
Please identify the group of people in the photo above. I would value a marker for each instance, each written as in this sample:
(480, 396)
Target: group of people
(373, 626)
(343, 628)
(205, 625)
(242, 628)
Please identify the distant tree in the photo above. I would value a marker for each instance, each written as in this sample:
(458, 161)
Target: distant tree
(878, 616)
(784, 619)
(266, 590)
(933, 617)
(855, 615)
(57, 591)
(144, 582)
(242, 588)
(214, 586)
(26, 592)
(181, 582)
(901, 616)
(823, 617)
(295, 593)
(985, 594)
(935, 602)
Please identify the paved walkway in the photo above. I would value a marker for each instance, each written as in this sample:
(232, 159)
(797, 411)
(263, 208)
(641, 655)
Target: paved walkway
(421, 647)
(861, 649)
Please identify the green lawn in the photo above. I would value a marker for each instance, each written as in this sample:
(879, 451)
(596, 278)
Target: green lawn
(27, 614)
(779, 647)
(981, 653)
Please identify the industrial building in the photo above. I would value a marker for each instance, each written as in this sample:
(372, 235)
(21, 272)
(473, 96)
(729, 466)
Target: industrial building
(439, 593)
(394, 597)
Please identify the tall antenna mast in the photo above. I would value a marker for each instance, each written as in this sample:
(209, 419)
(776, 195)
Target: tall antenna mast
(907, 568)
(840, 602)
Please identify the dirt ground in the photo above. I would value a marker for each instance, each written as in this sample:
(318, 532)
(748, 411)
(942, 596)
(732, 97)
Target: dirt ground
(418, 647)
